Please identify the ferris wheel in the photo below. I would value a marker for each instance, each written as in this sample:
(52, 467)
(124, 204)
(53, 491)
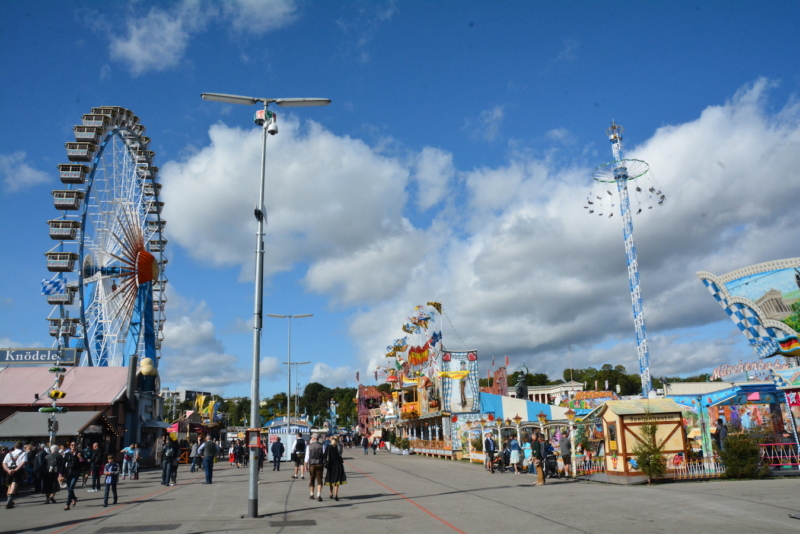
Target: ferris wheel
(109, 282)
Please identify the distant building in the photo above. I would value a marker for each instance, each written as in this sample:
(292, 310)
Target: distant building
(551, 394)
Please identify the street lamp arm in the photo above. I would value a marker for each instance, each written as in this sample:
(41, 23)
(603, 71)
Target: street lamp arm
(250, 100)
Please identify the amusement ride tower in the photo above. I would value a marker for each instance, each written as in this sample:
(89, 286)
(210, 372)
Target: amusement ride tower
(621, 171)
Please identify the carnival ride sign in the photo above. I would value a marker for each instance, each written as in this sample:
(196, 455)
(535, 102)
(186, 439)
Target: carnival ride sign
(725, 370)
(38, 356)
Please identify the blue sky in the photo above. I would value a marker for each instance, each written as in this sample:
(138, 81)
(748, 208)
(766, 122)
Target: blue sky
(452, 165)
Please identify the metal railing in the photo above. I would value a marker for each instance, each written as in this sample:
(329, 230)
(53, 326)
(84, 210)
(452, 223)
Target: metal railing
(779, 455)
(589, 465)
(694, 469)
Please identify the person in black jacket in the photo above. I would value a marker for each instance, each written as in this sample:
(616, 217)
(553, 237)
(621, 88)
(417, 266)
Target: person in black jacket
(72, 471)
(96, 460)
(39, 468)
(489, 450)
(170, 453)
(277, 453)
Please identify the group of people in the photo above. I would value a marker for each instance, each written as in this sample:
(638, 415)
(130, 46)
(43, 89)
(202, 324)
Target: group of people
(534, 456)
(204, 450)
(51, 468)
(320, 455)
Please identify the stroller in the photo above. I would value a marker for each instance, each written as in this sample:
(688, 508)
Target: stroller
(551, 466)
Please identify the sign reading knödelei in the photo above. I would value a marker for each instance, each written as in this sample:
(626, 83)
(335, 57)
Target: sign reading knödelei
(34, 356)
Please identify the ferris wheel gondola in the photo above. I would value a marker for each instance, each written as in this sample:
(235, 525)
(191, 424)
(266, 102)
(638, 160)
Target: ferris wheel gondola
(109, 260)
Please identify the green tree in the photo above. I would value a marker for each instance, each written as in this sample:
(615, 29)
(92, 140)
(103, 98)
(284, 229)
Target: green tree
(742, 457)
(649, 453)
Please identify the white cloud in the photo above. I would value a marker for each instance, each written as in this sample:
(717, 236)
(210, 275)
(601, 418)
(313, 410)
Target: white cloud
(433, 172)
(521, 270)
(332, 377)
(259, 16)
(193, 355)
(487, 125)
(158, 40)
(17, 174)
(344, 200)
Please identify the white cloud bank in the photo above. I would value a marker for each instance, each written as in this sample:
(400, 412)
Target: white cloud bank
(520, 268)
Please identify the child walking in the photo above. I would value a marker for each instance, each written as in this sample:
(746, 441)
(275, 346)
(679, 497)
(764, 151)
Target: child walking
(111, 472)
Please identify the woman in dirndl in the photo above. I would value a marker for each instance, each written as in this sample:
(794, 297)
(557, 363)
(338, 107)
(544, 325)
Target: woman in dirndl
(334, 465)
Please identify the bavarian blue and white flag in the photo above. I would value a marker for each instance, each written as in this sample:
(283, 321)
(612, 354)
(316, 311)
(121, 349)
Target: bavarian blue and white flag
(54, 287)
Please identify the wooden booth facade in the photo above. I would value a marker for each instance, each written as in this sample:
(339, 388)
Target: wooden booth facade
(622, 422)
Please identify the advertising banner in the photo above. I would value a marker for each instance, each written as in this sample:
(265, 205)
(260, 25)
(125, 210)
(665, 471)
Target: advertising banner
(38, 356)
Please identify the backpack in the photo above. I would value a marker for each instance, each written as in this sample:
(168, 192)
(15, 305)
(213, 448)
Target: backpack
(169, 452)
(52, 463)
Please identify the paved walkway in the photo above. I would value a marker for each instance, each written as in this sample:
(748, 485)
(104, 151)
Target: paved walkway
(410, 494)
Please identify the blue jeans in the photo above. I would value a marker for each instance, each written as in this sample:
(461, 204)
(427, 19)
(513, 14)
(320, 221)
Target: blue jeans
(113, 488)
(195, 461)
(208, 467)
(71, 481)
(166, 472)
(127, 468)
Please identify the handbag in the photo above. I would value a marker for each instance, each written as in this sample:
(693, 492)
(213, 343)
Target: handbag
(537, 462)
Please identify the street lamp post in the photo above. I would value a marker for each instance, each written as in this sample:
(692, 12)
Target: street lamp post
(571, 416)
(297, 389)
(288, 363)
(268, 122)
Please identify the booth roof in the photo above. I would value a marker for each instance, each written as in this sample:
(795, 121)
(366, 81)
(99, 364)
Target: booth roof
(87, 386)
(642, 406)
(34, 424)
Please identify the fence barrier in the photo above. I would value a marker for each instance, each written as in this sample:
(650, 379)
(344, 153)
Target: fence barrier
(779, 454)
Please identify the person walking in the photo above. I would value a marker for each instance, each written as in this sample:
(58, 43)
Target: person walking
(299, 453)
(193, 455)
(135, 461)
(365, 444)
(565, 448)
(516, 451)
(14, 466)
(127, 457)
(111, 474)
(538, 452)
(95, 465)
(39, 468)
(333, 462)
(277, 453)
(169, 453)
(489, 449)
(208, 451)
(313, 465)
(54, 464)
(72, 470)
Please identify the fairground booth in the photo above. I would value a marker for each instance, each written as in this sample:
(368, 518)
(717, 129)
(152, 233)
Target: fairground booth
(115, 406)
(622, 427)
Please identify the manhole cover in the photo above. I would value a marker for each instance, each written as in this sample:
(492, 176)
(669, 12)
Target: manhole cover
(138, 528)
(384, 516)
(296, 523)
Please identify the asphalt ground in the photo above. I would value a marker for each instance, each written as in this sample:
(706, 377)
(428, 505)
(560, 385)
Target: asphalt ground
(411, 494)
